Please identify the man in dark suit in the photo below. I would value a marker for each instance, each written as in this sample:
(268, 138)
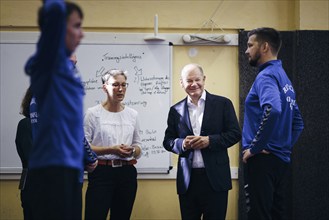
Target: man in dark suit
(200, 129)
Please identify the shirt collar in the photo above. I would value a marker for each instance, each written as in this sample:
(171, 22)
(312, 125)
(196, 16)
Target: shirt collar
(202, 98)
(271, 62)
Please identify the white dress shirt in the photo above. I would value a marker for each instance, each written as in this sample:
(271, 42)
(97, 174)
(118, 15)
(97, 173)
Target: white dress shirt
(196, 117)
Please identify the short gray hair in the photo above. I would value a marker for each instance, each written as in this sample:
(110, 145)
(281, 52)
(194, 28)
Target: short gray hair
(189, 67)
(112, 73)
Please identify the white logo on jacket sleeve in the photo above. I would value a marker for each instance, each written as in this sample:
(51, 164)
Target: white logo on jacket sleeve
(289, 99)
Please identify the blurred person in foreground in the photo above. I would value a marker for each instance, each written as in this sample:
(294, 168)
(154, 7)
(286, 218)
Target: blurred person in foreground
(56, 159)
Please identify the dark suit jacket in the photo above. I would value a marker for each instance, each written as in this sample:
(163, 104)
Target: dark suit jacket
(220, 124)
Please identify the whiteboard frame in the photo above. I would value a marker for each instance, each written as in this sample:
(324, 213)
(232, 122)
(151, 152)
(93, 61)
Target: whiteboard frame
(114, 38)
(7, 37)
(141, 176)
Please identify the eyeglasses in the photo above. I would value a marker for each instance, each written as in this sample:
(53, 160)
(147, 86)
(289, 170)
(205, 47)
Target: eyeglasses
(117, 85)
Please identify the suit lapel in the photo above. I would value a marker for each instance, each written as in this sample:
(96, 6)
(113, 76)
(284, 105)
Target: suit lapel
(182, 110)
(208, 111)
(186, 116)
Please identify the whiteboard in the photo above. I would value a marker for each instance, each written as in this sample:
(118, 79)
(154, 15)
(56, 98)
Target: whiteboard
(149, 68)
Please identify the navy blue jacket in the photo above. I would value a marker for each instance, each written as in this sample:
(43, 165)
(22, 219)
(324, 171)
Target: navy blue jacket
(220, 124)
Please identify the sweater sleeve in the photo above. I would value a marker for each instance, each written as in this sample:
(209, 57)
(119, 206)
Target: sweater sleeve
(270, 102)
(51, 43)
(89, 125)
(297, 125)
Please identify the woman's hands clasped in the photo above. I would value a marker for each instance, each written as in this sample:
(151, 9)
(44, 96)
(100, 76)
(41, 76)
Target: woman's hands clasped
(124, 150)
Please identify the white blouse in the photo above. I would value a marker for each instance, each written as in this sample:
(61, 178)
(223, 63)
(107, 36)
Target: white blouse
(104, 128)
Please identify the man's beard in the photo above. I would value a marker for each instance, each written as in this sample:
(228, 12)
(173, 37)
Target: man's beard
(254, 61)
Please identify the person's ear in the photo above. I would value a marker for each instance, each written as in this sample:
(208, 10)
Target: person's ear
(181, 83)
(266, 47)
(104, 87)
